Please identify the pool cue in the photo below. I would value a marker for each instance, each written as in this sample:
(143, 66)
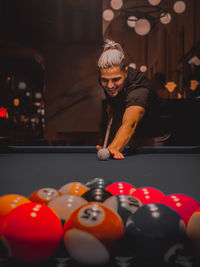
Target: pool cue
(107, 132)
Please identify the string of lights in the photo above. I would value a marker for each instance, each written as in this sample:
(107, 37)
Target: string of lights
(142, 15)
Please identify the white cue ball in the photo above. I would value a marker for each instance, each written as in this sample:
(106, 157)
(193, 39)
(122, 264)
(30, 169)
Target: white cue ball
(103, 154)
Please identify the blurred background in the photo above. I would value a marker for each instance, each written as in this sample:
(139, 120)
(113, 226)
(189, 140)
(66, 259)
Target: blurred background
(49, 91)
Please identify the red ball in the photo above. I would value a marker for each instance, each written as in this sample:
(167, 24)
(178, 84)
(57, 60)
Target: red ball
(121, 188)
(148, 195)
(32, 231)
(183, 204)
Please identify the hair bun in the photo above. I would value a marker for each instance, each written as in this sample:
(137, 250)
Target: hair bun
(109, 44)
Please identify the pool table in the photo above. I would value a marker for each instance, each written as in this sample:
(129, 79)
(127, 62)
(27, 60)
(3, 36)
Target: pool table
(170, 169)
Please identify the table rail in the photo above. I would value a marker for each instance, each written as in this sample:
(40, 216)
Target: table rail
(92, 149)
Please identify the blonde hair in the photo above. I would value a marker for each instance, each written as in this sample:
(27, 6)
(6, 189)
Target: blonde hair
(112, 55)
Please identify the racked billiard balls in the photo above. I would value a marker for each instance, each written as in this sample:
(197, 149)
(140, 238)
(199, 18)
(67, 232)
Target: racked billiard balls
(32, 232)
(96, 194)
(92, 233)
(44, 195)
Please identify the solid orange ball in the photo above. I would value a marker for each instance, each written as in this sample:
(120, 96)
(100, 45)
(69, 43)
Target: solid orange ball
(9, 202)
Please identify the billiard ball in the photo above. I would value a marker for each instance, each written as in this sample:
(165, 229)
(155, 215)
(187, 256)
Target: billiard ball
(148, 195)
(32, 231)
(44, 195)
(7, 204)
(124, 205)
(92, 233)
(193, 228)
(121, 188)
(74, 188)
(64, 205)
(155, 231)
(96, 194)
(98, 182)
(103, 154)
(11, 201)
(183, 204)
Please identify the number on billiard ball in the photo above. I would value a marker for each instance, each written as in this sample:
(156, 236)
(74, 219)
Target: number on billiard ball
(124, 205)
